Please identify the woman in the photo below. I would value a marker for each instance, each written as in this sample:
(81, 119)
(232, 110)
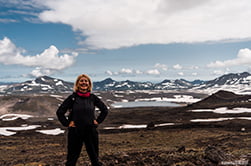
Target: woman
(81, 121)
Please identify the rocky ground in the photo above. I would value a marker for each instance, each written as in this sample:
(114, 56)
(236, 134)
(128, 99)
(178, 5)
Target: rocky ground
(198, 144)
(156, 147)
(185, 143)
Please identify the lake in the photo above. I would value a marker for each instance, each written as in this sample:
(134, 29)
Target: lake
(132, 104)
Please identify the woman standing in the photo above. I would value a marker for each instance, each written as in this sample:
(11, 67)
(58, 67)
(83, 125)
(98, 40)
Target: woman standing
(82, 122)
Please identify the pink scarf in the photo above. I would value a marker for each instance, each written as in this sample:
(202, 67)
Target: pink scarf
(87, 94)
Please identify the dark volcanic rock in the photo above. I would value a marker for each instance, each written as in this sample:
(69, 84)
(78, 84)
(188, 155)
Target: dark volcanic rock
(216, 155)
(223, 99)
(150, 125)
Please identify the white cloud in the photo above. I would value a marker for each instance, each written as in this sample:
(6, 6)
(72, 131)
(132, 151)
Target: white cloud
(2, 20)
(126, 71)
(177, 67)
(46, 62)
(174, 6)
(153, 72)
(221, 72)
(109, 72)
(194, 74)
(194, 67)
(138, 72)
(181, 74)
(38, 71)
(218, 72)
(161, 66)
(243, 58)
(22, 5)
(123, 23)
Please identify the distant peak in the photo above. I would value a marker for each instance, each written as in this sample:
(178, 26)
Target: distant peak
(108, 80)
(45, 77)
(225, 94)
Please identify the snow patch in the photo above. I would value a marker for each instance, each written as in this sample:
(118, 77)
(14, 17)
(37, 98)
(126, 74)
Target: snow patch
(59, 83)
(8, 131)
(219, 119)
(225, 110)
(56, 96)
(176, 99)
(56, 131)
(10, 117)
(128, 126)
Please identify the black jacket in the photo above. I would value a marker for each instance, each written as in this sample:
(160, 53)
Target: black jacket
(82, 110)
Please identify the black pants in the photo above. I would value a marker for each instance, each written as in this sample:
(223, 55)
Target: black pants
(76, 138)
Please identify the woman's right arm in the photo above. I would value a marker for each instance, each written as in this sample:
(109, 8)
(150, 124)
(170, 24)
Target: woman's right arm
(63, 108)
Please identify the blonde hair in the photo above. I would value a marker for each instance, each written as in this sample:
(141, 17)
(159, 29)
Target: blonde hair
(75, 87)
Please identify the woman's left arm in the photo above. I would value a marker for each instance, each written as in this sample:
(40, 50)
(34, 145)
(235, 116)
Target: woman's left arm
(103, 109)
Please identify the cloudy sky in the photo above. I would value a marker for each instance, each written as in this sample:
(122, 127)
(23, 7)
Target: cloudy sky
(143, 40)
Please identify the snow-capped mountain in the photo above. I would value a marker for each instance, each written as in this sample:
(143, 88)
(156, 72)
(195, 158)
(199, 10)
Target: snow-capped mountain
(237, 83)
(42, 84)
(173, 84)
(230, 79)
(110, 84)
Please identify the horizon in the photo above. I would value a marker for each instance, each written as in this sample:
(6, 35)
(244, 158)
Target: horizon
(143, 40)
(72, 81)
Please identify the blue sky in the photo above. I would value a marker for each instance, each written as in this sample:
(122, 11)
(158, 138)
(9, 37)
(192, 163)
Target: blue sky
(145, 40)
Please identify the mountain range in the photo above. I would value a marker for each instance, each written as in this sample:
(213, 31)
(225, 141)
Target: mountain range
(236, 82)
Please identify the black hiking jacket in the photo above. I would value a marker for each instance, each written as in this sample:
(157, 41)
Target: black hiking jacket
(81, 110)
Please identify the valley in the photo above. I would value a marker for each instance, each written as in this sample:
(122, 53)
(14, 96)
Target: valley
(190, 134)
